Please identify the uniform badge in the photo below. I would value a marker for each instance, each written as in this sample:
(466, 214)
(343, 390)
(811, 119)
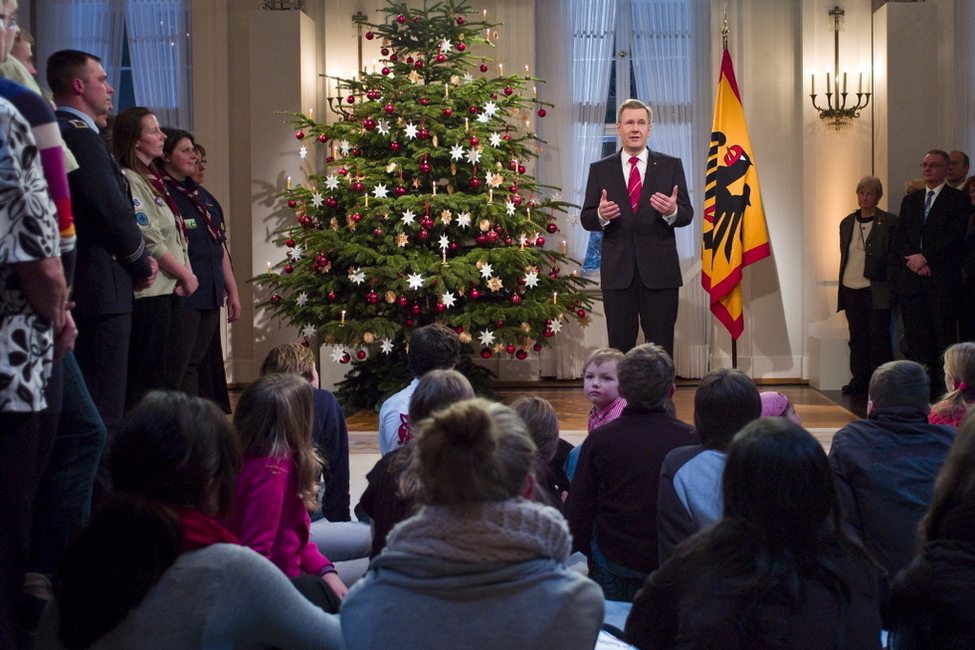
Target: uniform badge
(136, 202)
(160, 202)
(190, 223)
(141, 218)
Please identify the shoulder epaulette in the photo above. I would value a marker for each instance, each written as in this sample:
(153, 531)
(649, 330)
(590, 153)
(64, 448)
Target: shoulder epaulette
(76, 123)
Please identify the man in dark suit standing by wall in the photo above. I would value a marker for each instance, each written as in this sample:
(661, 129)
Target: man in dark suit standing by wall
(925, 266)
(637, 197)
(112, 257)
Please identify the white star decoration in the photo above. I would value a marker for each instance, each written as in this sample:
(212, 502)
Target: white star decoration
(495, 139)
(473, 155)
(456, 152)
(415, 280)
(522, 240)
(444, 242)
(448, 299)
(489, 179)
(302, 299)
(408, 217)
(468, 77)
(303, 152)
(487, 337)
(295, 253)
(411, 131)
(380, 192)
(531, 280)
(509, 207)
(464, 220)
(356, 276)
(483, 118)
(317, 199)
(309, 331)
(345, 147)
(383, 127)
(337, 354)
(445, 46)
(486, 271)
(387, 346)
(332, 181)
(490, 109)
(557, 325)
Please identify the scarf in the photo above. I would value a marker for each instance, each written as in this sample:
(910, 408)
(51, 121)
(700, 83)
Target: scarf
(160, 189)
(194, 196)
(515, 530)
(201, 530)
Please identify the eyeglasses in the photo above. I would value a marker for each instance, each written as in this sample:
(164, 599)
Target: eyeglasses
(934, 165)
(8, 22)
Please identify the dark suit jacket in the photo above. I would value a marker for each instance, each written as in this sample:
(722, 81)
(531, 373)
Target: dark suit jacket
(111, 251)
(642, 241)
(940, 237)
(877, 245)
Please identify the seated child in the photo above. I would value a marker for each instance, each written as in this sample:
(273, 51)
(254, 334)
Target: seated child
(960, 384)
(775, 404)
(612, 505)
(690, 480)
(602, 389)
(543, 427)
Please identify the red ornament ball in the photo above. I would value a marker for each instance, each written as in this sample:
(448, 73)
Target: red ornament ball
(329, 159)
(424, 101)
(343, 171)
(289, 269)
(304, 221)
(552, 228)
(441, 58)
(521, 355)
(350, 99)
(345, 358)
(393, 57)
(474, 141)
(486, 353)
(358, 186)
(447, 112)
(289, 243)
(508, 241)
(508, 90)
(537, 347)
(517, 200)
(475, 182)
(461, 47)
(460, 21)
(506, 137)
(556, 269)
(480, 240)
(394, 146)
(540, 241)
(474, 294)
(275, 298)
(416, 19)
(472, 110)
(372, 298)
(423, 234)
(513, 189)
(368, 124)
(369, 36)
(409, 59)
(332, 296)
(402, 301)
(331, 202)
(516, 299)
(423, 134)
(454, 247)
(356, 218)
(360, 355)
(299, 134)
(292, 203)
(581, 313)
(389, 108)
(378, 232)
(542, 112)
(484, 67)
(357, 152)
(425, 168)
(510, 349)
(548, 334)
(385, 70)
(384, 51)
(494, 95)
(491, 236)
(415, 308)
(408, 322)
(401, 19)
(499, 324)
(521, 169)
(441, 307)
(304, 342)
(426, 222)
(400, 190)
(323, 138)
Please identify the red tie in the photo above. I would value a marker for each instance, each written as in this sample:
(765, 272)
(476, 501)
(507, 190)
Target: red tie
(634, 186)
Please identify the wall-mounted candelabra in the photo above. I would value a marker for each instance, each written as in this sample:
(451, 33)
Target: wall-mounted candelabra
(840, 108)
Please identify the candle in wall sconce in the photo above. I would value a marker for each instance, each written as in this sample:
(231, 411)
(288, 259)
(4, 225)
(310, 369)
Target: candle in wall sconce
(828, 88)
(860, 85)
(812, 90)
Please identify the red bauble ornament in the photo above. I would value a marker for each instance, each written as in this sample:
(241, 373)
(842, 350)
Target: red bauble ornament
(401, 19)
(480, 240)
(408, 322)
(370, 36)
(402, 301)
(393, 57)
(385, 70)
(322, 138)
(372, 298)
(474, 141)
(537, 347)
(275, 297)
(553, 274)
(384, 51)
(486, 353)
(426, 222)
(540, 242)
(425, 168)
(329, 159)
(494, 95)
(548, 334)
(459, 329)
(409, 59)
(484, 67)
(360, 355)
(510, 349)
(378, 232)
(475, 182)
(368, 124)
(292, 203)
(290, 243)
(498, 325)
(581, 313)
(506, 137)
(331, 202)
(357, 152)
(423, 234)
(516, 299)
(552, 228)
(441, 58)
(358, 186)
(508, 241)
(491, 236)
(416, 19)
(350, 99)
(474, 294)
(542, 112)
(289, 269)
(345, 358)
(400, 190)
(521, 355)
(304, 342)
(521, 169)
(460, 21)
(299, 134)
(423, 134)
(508, 90)
(332, 296)
(517, 200)
(513, 189)
(472, 110)
(394, 146)
(556, 269)
(321, 259)
(461, 47)
(441, 307)
(415, 308)
(447, 112)
(304, 221)
(423, 100)
(343, 171)
(356, 218)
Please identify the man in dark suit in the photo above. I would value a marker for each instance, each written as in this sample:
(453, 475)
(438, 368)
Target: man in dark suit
(112, 257)
(927, 249)
(637, 197)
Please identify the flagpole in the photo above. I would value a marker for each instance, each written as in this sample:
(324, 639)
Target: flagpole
(724, 46)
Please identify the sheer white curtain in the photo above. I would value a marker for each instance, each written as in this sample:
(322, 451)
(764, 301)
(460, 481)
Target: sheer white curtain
(671, 62)
(94, 26)
(159, 49)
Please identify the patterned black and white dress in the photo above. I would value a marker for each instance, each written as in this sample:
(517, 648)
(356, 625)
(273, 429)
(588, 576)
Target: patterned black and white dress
(28, 232)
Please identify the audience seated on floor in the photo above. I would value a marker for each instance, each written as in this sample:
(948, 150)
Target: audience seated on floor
(612, 504)
(156, 568)
(689, 498)
(393, 491)
(959, 384)
(776, 404)
(885, 465)
(543, 427)
(602, 388)
(481, 565)
(777, 571)
(932, 602)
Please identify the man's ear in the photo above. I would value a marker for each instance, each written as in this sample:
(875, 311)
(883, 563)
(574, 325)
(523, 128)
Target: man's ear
(673, 389)
(869, 406)
(77, 86)
(528, 488)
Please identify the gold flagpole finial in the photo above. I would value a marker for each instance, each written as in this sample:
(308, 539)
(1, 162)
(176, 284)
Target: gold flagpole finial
(724, 30)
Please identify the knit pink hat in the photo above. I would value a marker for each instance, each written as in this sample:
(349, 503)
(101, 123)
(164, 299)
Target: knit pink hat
(773, 403)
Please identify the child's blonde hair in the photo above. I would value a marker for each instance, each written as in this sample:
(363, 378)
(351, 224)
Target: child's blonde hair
(290, 357)
(542, 423)
(960, 366)
(275, 415)
(602, 355)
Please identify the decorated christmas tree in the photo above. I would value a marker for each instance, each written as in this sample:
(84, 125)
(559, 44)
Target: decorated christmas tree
(424, 212)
